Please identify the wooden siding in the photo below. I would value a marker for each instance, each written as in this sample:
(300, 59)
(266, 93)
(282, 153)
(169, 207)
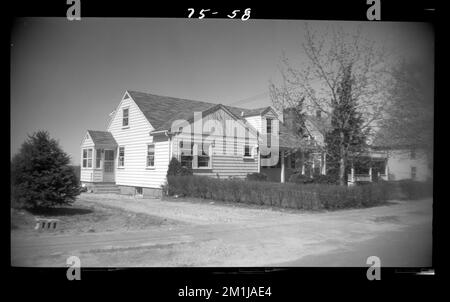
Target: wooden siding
(226, 164)
(400, 163)
(255, 121)
(136, 136)
(89, 174)
(135, 139)
(275, 123)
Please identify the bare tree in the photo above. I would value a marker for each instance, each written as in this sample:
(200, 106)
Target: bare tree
(410, 116)
(318, 79)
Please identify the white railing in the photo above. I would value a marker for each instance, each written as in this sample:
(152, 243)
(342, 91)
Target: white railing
(383, 176)
(365, 177)
(362, 177)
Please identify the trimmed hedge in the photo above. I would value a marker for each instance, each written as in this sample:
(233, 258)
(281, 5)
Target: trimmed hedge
(325, 179)
(287, 195)
(413, 190)
(298, 178)
(257, 176)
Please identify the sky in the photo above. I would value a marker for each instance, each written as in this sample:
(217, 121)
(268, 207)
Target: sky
(67, 76)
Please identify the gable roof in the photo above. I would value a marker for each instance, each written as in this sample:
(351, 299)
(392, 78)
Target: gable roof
(162, 111)
(249, 112)
(102, 138)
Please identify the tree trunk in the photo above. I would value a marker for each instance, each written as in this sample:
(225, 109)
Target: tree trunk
(342, 181)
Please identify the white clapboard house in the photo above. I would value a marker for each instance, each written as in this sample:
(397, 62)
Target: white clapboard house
(143, 133)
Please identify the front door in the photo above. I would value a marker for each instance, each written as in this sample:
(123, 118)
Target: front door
(108, 166)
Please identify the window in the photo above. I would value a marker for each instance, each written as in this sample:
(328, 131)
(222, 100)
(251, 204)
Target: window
(195, 155)
(203, 156)
(413, 154)
(269, 125)
(413, 173)
(269, 132)
(316, 169)
(138, 190)
(84, 158)
(87, 158)
(109, 154)
(151, 155)
(293, 161)
(186, 154)
(125, 113)
(247, 145)
(98, 158)
(121, 157)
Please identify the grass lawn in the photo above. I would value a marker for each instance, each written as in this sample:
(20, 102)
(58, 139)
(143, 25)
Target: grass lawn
(84, 217)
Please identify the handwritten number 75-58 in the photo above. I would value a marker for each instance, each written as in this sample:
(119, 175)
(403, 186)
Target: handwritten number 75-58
(202, 14)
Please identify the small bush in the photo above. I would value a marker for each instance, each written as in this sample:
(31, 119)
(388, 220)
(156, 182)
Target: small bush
(288, 195)
(176, 169)
(300, 179)
(257, 177)
(317, 179)
(414, 190)
(325, 179)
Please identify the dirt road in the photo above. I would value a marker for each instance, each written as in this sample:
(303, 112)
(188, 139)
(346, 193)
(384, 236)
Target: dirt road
(224, 235)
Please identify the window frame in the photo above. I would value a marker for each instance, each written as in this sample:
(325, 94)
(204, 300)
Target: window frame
(147, 156)
(197, 150)
(139, 191)
(269, 122)
(269, 133)
(127, 118)
(87, 158)
(181, 148)
(98, 158)
(119, 166)
(247, 145)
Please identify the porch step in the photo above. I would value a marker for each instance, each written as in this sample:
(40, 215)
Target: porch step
(104, 184)
(105, 188)
(107, 191)
(111, 189)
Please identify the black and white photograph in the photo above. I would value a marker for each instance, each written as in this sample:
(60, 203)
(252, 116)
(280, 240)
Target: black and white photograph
(221, 142)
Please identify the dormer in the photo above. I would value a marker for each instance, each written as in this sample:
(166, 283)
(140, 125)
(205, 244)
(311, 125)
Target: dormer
(263, 120)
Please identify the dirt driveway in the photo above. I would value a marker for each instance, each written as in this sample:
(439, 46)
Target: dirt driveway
(214, 234)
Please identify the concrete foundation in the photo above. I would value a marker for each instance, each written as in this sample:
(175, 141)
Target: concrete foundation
(152, 193)
(126, 190)
(147, 192)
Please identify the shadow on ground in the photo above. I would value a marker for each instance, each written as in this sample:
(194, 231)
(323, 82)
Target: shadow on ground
(60, 211)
